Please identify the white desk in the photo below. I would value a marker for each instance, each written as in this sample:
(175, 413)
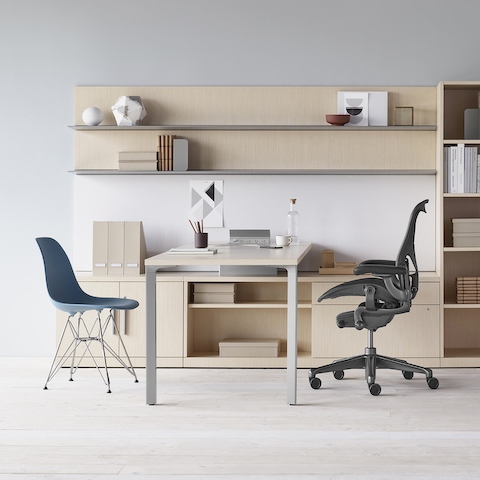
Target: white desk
(287, 258)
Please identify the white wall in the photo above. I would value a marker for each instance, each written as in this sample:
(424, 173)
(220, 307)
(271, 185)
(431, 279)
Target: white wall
(48, 47)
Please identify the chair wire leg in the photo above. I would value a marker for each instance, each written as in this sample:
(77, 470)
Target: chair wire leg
(128, 367)
(102, 343)
(77, 343)
(54, 368)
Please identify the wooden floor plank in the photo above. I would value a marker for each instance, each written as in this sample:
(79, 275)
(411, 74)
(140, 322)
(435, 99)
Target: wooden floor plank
(235, 424)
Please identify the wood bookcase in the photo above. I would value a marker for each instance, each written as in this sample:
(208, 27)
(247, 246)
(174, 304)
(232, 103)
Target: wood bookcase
(461, 325)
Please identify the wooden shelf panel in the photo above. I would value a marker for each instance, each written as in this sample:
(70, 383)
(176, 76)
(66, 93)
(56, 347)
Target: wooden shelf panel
(239, 130)
(462, 352)
(392, 128)
(450, 304)
(259, 172)
(462, 140)
(255, 305)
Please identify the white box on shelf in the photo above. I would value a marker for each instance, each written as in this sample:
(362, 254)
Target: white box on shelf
(377, 111)
(249, 347)
(466, 239)
(466, 225)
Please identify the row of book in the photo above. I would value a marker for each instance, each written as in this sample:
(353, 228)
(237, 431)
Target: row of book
(461, 168)
(171, 154)
(165, 152)
(468, 289)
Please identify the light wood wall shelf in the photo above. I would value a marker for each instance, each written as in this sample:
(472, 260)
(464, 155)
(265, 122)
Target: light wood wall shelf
(265, 129)
(296, 128)
(258, 172)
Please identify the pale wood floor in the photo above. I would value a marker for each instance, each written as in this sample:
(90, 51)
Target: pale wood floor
(235, 424)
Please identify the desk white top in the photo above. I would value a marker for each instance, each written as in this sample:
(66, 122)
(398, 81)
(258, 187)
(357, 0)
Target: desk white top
(235, 255)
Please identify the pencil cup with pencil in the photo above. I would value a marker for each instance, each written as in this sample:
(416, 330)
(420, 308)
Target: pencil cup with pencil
(201, 238)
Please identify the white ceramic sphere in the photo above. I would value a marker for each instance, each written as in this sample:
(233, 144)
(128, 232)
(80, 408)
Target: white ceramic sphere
(92, 116)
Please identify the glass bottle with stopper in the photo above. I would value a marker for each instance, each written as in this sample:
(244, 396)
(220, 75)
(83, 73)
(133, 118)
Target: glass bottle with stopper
(293, 222)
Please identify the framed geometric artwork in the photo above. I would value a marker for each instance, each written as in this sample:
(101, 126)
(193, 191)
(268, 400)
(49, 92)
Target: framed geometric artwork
(206, 202)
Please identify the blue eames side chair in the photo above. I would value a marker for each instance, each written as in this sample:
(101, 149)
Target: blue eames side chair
(67, 295)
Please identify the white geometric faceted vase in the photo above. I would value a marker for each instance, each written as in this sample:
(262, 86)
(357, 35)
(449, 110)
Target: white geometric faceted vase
(129, 111)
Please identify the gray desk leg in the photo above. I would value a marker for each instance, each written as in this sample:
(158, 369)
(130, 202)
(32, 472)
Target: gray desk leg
(292, 300)
(151, 347)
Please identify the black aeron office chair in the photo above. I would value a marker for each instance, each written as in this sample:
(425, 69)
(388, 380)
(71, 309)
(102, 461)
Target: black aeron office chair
(388, 292)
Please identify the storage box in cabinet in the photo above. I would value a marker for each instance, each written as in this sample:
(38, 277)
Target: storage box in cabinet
(466, 225)
(214, 292)
(466, 239)
(232, 347)
(213, 297)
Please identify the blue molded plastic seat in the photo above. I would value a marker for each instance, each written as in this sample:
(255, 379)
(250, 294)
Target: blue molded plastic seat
(67, 295)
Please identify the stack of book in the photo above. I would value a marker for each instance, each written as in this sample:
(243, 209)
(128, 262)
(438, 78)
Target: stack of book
(172, 153)
(214, 292)
(468, 289)
(461, 167)
(137, 161)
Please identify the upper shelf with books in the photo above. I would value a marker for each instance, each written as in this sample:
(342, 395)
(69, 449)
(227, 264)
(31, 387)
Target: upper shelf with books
(393, 128)
(250, 130)
(260, 172)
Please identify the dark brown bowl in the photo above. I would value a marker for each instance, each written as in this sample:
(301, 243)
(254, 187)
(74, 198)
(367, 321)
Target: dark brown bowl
(337, 119)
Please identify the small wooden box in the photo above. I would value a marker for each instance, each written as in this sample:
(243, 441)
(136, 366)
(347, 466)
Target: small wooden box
(249, 347)
(328, 258)
(404, 116)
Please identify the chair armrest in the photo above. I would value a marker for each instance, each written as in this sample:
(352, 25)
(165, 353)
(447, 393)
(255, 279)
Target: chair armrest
(377, 262)
(378, 267)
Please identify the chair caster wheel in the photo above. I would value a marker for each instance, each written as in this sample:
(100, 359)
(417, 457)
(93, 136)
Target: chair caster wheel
(339, 374)
(432, 383)
(315, 383)
(407, 375)
(375, 389)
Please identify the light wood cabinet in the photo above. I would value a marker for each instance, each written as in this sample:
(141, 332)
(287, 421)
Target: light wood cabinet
(414, 336)
(461, 326)
(259, 312)
(131, 323)
(188, 333)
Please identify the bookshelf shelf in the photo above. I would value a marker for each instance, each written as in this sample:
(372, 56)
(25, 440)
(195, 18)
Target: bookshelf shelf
(257, 172)
(460, 320)
(390, 128)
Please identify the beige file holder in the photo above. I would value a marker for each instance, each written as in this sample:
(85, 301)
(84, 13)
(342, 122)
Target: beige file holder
(116, 242)
(100, 248)
(134, 249)
(118, 248)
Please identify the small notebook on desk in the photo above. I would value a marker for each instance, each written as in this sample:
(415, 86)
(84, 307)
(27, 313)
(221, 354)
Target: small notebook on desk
(192, 251)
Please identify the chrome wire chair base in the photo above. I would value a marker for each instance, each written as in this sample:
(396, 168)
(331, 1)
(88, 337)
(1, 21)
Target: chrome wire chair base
(83, 335)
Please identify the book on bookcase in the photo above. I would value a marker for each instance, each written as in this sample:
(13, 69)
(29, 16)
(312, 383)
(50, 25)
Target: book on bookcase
(461, 169)
(172, 153)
